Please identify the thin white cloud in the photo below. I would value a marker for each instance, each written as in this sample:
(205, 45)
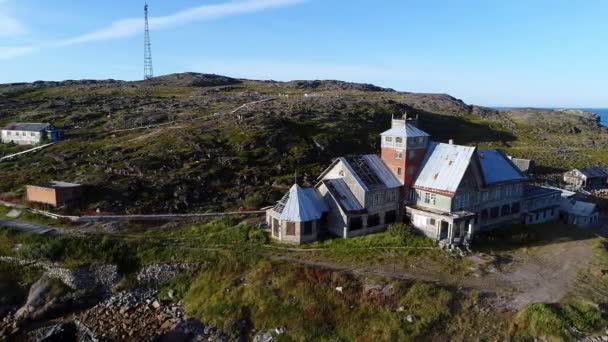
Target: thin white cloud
(133, 26)
(10, 52)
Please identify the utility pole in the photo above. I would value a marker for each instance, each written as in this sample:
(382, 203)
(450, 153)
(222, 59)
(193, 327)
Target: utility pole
(148, 71)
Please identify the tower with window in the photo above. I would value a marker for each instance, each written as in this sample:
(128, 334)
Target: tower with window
(403, 149)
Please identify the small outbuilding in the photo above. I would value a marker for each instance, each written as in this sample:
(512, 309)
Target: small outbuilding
(54, 193)
(30, 133)
(298, 217)
(587, 178)
(579, 213)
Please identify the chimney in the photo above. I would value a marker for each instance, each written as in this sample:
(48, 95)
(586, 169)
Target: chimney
(411, 120)
(451, 142)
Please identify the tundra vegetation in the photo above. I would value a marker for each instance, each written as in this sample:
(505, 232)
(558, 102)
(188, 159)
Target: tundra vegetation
(207, 156)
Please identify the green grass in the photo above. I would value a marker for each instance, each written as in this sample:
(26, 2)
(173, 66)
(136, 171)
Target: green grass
(15, 282)
(265, 295)
(558, 322)
(399, 240)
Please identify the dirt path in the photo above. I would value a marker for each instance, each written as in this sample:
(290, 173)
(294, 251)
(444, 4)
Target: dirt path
(28, 227)
(547, 273)
(544, 273)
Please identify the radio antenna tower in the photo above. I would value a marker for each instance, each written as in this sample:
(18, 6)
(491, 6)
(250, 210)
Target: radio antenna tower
(148, 71)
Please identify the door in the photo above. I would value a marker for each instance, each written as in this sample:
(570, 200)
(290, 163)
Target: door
(443, 233)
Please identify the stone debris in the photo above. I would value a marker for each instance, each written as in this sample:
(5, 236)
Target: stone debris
(139, 316)
(159, 273)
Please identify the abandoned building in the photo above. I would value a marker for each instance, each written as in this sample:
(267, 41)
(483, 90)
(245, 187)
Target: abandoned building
(30, 133)
(541, 204)
(298, 217)
(447, 191)
(588, 178)
(56, 194)
(579, 213)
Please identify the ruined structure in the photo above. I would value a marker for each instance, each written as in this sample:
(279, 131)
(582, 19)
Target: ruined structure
(446, 191)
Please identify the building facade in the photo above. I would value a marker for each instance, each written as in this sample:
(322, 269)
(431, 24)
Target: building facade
(588, 178)
(447, 191)
(30, 133)
(54, 193)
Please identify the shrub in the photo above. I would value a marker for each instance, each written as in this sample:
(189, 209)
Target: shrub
(253, 201)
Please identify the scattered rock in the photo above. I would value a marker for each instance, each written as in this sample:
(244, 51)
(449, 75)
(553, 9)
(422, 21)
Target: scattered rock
(340, 289)
(410, 318)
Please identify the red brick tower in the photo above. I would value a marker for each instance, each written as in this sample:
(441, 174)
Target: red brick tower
(403, 149)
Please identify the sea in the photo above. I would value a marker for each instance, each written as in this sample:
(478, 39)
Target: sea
(602, 112)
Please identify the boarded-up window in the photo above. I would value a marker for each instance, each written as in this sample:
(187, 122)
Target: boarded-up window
(290, 229)
(373, 220)
(307, 228)
(356, 223)
(275, 227)
(506, 210)
(390, 217)
(484, 214)
(494, 212)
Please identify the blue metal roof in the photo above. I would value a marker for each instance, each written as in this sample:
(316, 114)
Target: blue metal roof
(301, 205)
(444, 167)
(497, 168)
(408, 130)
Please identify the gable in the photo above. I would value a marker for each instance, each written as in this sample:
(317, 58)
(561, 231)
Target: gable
(443, 168)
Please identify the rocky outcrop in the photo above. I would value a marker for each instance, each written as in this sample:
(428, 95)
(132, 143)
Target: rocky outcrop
(102, 277)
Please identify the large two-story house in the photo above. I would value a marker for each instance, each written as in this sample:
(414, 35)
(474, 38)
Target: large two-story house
(446, 191)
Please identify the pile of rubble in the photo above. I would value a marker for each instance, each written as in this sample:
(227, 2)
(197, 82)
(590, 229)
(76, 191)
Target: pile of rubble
(159, 273)
(139, 316)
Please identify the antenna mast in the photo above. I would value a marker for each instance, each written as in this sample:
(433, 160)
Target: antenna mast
(148, 71)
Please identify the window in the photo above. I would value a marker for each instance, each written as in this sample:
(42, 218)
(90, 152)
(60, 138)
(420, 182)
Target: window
(388, 139)
(390, 217)
(507, 190)
(398, 140)
(506, 210)
(494, 212)
(484, 214)
(398, 155)
(32, 134)
(427, 197)
(515, 208)
(373, 220)
(307, 228)
(275, 227)
(433, 199)
(410, 170)
(398, 171)
(9, 133)
(411, 154)
(291, 229)
(484, 196)
(356, 223)
(432, 222)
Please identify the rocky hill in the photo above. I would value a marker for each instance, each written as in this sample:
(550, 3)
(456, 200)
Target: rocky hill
(198, 142)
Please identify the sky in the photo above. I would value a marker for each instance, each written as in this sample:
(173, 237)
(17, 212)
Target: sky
(537, 53)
